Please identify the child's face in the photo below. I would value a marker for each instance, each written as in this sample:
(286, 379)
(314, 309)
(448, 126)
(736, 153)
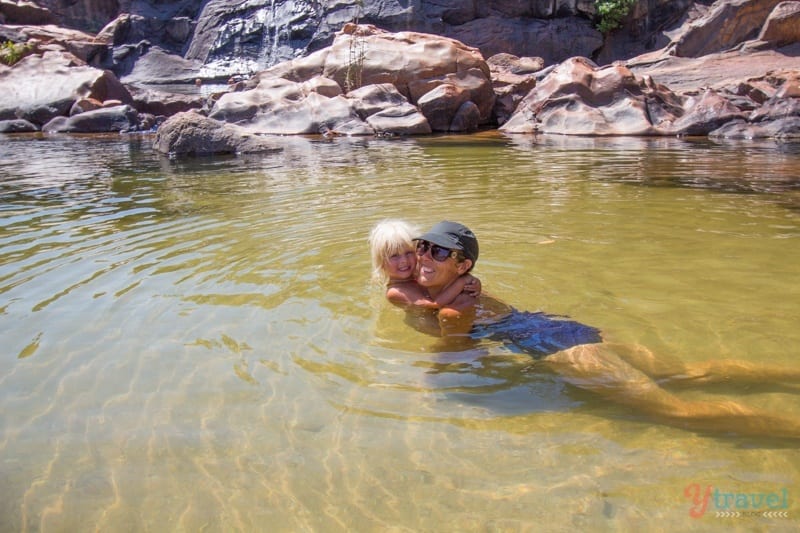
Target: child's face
(402, 266)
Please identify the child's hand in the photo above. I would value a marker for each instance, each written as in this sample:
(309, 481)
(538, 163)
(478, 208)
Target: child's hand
(472, 286)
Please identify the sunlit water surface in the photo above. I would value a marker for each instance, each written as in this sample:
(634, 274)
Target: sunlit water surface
(195, 345)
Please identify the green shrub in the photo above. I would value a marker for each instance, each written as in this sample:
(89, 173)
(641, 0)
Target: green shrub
(611, 13)
(11, 52)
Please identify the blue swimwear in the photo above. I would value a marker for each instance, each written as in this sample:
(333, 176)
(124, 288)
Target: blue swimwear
(537, 334)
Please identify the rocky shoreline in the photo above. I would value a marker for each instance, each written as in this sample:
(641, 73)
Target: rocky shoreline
(371, 81)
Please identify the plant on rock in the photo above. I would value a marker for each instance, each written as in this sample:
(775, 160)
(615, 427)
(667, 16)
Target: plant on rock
(611, 13)
(11, 52)
(357, 53)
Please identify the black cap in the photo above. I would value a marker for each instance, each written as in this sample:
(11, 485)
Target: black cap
(453, 236)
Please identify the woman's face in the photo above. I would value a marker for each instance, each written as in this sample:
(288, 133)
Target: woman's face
(435, 274)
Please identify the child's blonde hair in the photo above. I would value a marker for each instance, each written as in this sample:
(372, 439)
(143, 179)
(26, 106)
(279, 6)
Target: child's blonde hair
(387, 238)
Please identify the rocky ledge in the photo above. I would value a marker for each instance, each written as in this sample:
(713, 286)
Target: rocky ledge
(375, 82)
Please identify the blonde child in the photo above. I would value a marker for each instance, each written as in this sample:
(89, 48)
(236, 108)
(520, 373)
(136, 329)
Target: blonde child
(394, 262)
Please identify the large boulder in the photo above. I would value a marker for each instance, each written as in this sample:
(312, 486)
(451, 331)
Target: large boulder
(365, 55)
(387, 111)
(403, 119)
(42, 87)
(405, 58)
(305, 95)
(579, 98)
(441, 104)
(191, 133)
(474, 82)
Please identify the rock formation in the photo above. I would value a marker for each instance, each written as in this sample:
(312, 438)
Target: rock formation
(394, 71)
(727, 68)
(189, 133)
(580, 98)
(43, 86)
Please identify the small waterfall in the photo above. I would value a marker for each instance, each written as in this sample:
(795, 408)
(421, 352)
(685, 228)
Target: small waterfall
(263, 33)
(268, 36)
(277, 20)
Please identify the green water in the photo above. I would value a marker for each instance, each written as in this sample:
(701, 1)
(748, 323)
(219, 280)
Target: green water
(195, 345)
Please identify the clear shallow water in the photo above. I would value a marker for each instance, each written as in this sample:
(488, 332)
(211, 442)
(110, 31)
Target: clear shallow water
(196, 345)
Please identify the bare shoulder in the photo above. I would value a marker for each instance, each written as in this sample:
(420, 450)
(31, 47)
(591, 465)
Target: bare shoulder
(404, 292)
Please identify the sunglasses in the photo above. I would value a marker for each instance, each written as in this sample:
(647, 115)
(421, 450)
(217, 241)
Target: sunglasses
(438, 253)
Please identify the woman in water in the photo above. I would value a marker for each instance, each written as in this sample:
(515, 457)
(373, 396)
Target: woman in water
(627, 375)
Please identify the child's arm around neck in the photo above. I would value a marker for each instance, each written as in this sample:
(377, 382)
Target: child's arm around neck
(411, 293)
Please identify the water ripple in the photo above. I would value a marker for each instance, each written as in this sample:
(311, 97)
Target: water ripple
(196, 342)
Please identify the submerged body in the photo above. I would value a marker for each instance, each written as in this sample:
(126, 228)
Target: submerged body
(536, 334)
(628, 375)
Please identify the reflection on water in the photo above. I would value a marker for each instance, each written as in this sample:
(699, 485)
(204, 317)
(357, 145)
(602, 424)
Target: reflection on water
(195, 344)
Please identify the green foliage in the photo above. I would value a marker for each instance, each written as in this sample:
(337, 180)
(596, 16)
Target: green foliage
(11, 52)
(611, 13)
